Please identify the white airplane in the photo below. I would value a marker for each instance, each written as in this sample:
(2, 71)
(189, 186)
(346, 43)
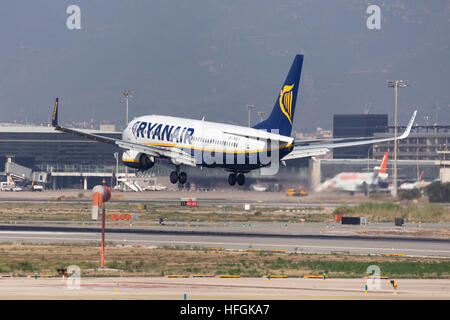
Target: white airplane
(234, 148)
(419, 184)
(357, 181)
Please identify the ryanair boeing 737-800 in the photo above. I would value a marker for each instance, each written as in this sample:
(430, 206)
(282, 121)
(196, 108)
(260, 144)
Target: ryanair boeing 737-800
(237, 149)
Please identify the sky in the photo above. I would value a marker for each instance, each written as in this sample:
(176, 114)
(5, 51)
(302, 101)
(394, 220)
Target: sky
(211, 58)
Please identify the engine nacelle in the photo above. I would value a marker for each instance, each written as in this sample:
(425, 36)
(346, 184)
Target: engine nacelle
(138, 160)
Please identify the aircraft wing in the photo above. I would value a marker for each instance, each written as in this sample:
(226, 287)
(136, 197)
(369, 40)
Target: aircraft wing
(297, 151)
(262, 135)
(160, 152)
(301, 142)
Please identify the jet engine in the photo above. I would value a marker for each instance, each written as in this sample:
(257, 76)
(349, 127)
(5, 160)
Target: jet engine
(138, 160)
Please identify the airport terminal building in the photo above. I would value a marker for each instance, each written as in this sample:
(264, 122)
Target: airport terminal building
(423, 143)
(357, 125)
(68, 160)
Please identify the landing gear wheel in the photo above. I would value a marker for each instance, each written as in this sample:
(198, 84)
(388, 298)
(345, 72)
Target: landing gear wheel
(174, 177)
(232, 179)
(240, 179)
(182, 177)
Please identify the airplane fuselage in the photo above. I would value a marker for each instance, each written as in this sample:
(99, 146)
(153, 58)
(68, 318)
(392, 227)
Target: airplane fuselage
(352, 181)
(210, 143)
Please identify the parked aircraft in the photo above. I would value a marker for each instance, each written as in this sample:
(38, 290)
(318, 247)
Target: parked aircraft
(357, 181)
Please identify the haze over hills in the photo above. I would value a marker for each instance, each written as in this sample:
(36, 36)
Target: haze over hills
(211, 58)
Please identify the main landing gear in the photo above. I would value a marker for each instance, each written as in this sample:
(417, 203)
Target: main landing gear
(239, 178)
(177, 176)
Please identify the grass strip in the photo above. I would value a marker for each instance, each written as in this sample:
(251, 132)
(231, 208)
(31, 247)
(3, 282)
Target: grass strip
(25, 259)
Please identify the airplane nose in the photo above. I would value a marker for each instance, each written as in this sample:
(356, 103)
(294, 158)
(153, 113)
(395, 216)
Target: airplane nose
(126, 133)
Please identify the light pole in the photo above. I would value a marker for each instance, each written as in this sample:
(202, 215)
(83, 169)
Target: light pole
(417, 162)
(368, 157)
(436, 111)
(249, 107)
(126, 94)
(116, 173)
(395, 84)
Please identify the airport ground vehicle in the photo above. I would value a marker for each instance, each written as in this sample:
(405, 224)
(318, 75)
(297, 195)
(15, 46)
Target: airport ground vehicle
(37, 187)
(5, 186)
(154, 188)
(298, 193)
(8, 185)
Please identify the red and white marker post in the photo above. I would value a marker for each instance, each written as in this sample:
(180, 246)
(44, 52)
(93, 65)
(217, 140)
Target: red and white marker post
(101, 195)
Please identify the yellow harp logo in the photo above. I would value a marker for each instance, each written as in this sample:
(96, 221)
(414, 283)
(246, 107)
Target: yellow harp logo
(54, 110)
(286, 101)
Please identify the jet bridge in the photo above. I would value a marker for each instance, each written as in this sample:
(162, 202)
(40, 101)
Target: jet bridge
(19, 172)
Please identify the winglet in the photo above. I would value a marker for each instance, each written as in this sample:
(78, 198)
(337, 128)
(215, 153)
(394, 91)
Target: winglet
(55, 114)
(409, 126)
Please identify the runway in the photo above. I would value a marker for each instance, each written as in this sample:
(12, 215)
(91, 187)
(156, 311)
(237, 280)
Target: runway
(204, 198)
(236, 240)
(217, 288)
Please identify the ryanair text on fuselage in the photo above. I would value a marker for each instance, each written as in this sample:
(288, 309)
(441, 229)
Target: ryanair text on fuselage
(169, 133)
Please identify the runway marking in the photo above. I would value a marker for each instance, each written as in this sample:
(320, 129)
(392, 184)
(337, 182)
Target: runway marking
(41, 232)
(228, 243)
(234, 285)
(170, 285)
